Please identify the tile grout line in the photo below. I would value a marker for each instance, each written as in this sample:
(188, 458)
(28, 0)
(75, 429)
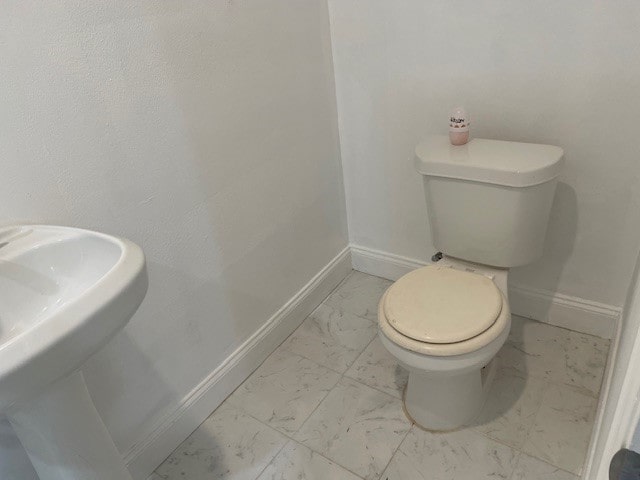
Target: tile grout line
(321, 365)
(342, 310)
(291, 437)
(548, 383)
(533, 424)
(325, 366)
(283, 342)
(516, 465)
(552, 465)
(277, 453)
(521, 454)
(248, 415)
(520, 449)
(576, 388)
(342, 282)
(344, 374)
(396, 451)
(362, 384)
(288, 436)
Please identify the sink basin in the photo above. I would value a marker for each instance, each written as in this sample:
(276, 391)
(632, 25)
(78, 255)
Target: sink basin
(64, 292)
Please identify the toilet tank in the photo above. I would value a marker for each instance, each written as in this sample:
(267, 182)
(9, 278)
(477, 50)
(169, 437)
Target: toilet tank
(489, 201)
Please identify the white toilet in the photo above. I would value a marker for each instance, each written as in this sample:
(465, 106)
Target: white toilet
(488, 204)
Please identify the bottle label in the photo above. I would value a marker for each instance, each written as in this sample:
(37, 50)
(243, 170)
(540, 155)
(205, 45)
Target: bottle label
(458, 124)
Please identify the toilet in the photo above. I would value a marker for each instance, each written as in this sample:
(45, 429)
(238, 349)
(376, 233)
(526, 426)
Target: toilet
(488, 206)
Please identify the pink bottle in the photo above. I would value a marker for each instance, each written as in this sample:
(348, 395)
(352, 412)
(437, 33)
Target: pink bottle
(459, 126)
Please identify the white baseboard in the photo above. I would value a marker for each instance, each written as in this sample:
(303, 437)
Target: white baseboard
(383, 264)
(573, 313)
(164, 436)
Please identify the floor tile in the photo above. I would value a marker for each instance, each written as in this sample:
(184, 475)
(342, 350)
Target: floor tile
(540, 350)
(284, 390)
(511, 408)
(585, 358)
(229, 445)
(530, 468)
(359, 294)
(377, 368)
(357, 427)
(533, 348)
(561, 432)
(459, 455)
(331, 337)
(295, 461)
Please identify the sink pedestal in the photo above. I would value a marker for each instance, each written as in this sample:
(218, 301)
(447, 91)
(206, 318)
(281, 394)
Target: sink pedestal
(64, 435)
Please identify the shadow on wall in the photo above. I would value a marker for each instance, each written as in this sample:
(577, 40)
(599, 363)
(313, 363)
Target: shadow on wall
(558, 246)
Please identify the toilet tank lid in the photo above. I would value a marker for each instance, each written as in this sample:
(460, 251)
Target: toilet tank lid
(513, 164)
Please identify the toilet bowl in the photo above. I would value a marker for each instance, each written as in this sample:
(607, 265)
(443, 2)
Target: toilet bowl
(445, 324)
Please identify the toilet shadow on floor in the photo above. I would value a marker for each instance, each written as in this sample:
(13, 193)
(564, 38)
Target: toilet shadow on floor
(508, 385)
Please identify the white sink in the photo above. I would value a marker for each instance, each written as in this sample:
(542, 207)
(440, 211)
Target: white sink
(64, 292)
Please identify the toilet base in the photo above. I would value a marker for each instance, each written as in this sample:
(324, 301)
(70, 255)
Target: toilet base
(447, 402)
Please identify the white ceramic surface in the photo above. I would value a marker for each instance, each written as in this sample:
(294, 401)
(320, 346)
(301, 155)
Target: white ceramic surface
(65, 292)
(447, 387)
(454, 351)
(513, 164)
(433, 292)
(64, 435)
(489, 202)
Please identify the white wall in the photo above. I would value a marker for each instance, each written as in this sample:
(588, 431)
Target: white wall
(204, 131)
(564, 73)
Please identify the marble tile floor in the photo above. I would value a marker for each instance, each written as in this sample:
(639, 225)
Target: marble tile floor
(327, 405)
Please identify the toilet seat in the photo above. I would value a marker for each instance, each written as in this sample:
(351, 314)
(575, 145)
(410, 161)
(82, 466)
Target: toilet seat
(438, 304)
(488, 329)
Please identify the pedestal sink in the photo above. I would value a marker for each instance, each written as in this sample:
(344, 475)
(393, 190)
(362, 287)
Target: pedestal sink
(64, 292)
